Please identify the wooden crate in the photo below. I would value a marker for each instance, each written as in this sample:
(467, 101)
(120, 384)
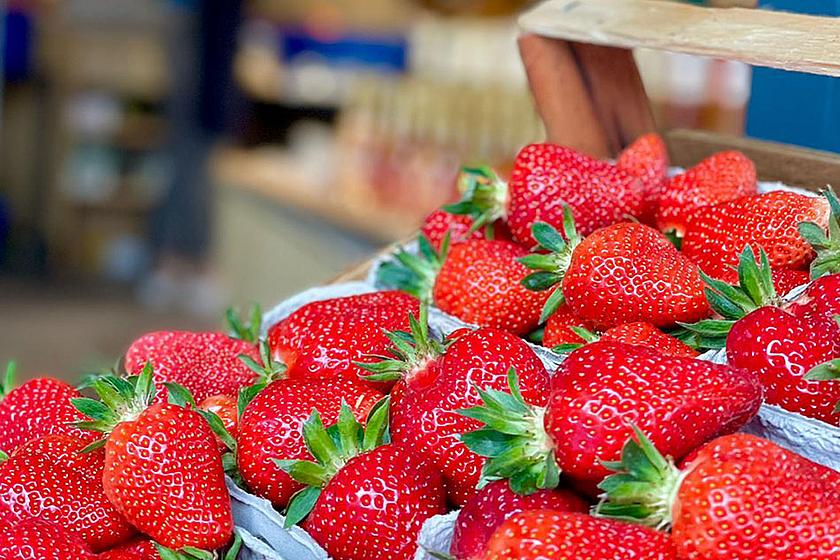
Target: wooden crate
(580, 65)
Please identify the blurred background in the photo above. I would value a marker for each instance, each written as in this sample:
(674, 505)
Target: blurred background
(160, 160)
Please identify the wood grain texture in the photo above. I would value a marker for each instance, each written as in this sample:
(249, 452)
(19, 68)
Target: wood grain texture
(617, 93)
(759, 37)
(561, 95)
(801, 167)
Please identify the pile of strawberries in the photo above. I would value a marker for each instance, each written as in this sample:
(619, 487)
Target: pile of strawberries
(359, 424)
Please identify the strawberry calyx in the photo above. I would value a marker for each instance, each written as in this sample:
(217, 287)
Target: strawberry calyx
(485, 198)
(267, 369)
(331, 448)
(7, 383)
(192, 553)
(244, 329)
(551, 266)
(513, 439)
(121, 400)
(754, 290)
(411, 351)
(585, 334)
(644, 488)
(414, 273)
(827, 246)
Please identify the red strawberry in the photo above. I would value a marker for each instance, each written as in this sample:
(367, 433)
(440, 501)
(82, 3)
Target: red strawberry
(37, 408)
(716, 235)
(781, 349)
(139, 549)
(440, 222)
(38, 539)
(368, 501)
(538, 535)
(546, 176)
(741, 498)
(270, 428)
(437, 381)
(624, 273)
(50, 479)
(597, 393)
(206, 364)
(495, 503)
(645, 334)
(647, 159)
(721, 177)
(558, 328)
(785, 279)
(779, 345)
(225, 407)
(163, 470)
(323, 339)
(478, 282)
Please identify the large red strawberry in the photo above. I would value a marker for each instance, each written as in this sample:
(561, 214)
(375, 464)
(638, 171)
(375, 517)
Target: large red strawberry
(437, 381)
(38, 539)
(647, 159)
(439, 223)
(37, 408)
(226, 408)
(49, 478)
(824, 241)
(543, 534)
(163, 469)
(323, 339)
(479, 282)
(205, 363)
(363, 500)
(786, 279)
(721, 177)
(781, 345)
(716, 235)
(270, 428)
(740, 498)
(597, 393)
(623, 273)
(636, 334)
(495, 503)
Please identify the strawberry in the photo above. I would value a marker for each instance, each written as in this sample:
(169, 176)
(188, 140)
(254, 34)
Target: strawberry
(785, 280)
(38, 539)
(163, 470)
(635, 334)
(495, 503)
(542, 534)
(50, 479)
(37, 408)
(740, 498)
(436, 381)
(624, 273)
(597, 392)
(459, 227)
(322, 339)
(824, 241)
(477, 281)
(138, 549)
(226, 408)
(270, 428)
(559, 328)
(206, 363)
(721, 177)
(364, 500)
(716, 235)
(647, 159)
(781, 345)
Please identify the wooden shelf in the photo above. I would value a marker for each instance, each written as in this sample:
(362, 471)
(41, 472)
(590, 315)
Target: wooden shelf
(259, 172)
(758, 37)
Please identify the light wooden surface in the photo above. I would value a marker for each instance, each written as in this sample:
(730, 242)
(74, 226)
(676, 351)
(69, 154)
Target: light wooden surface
(759, 37)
